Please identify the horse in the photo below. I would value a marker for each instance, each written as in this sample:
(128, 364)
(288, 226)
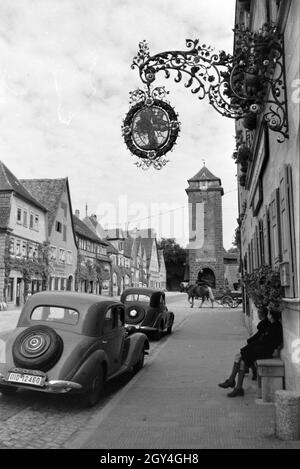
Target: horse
(198, 291)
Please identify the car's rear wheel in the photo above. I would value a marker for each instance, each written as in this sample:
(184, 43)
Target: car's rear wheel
(140, 362)
(37, 348)
(94, 393)
(169, 329)
(159, 332)
(7, 390)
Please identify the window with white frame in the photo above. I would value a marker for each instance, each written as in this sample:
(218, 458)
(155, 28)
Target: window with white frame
(69, 257)
(30, 251)
(31, 218)
(36, 222)
(18, 247)
(35, 252)
(53, 253)
(24, 248)
(62, 255)
(25, 215)
(12, 246)
(19, 215)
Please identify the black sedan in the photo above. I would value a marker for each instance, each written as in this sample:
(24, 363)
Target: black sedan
(146, 310)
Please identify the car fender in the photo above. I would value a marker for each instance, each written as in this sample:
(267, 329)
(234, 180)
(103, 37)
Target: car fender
(158, 320)
(170, 318)
(87, 369)
(138, 342)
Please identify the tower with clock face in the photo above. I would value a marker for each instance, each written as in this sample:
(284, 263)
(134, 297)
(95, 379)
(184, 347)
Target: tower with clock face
(205, 248)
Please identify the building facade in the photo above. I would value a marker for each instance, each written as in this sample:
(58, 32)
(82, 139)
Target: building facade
(23, 241)
(268, 188)
(54, 194)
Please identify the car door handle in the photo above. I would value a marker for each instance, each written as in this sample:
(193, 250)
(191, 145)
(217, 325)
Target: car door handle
(104, 341)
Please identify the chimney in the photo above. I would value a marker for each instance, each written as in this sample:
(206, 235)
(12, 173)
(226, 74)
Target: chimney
(77, 213)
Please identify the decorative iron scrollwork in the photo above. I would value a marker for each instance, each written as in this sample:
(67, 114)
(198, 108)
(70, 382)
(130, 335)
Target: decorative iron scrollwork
(244, 85)
(150, 128)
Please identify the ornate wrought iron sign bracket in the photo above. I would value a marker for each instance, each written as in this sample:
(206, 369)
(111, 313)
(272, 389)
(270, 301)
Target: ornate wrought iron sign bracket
(245, 85)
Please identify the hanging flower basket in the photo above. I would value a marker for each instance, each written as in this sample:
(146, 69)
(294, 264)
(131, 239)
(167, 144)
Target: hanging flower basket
(242, 179)
(264, 288)
(244, 154)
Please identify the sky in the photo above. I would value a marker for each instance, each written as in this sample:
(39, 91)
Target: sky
(65, 78)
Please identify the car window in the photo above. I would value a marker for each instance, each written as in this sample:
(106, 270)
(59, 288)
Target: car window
(108, 321)
(55, 314)
(138, 297)
(119, 316)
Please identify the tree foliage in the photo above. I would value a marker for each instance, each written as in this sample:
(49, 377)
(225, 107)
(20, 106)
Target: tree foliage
(175, 260)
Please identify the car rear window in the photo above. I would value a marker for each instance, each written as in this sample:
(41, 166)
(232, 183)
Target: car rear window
(55, 314)
(138, 297)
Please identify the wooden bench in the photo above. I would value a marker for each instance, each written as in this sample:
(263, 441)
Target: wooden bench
(270, 378)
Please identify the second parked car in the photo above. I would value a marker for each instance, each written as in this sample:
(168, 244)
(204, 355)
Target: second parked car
(146, 310)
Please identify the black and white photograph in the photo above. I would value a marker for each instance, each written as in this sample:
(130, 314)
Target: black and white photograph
(149, 228)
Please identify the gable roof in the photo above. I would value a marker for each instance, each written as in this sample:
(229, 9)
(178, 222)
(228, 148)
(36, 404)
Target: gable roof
(147, 244)
(92, 225)
(128, 243)
(49, 192)
(82, 230)
(111, 248)
(10, 183)
(204, 175)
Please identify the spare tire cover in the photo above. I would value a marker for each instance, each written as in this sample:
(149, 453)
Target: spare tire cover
(37, 348)
(134, 314)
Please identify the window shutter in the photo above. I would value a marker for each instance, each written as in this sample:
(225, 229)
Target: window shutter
(287, 227)
(275, 228)
(266, 236)
(254, 248)
(64, 233)
(261, 242)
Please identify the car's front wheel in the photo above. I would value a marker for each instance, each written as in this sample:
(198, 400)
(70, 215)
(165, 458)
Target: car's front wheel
(7, 390)
(140, 362)
(92, 396)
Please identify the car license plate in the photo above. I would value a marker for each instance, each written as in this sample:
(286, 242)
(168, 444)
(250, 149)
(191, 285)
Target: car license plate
(26, 379)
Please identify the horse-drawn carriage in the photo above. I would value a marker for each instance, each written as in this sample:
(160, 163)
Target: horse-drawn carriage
(230, 299)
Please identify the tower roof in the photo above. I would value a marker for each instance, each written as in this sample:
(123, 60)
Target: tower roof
(204, 175)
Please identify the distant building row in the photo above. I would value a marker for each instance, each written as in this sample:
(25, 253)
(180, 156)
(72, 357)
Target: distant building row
(43, 245)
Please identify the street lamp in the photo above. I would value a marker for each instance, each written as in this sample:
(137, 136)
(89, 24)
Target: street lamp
(248, 84)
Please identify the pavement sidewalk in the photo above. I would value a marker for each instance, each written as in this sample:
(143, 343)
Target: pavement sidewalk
(175, 402)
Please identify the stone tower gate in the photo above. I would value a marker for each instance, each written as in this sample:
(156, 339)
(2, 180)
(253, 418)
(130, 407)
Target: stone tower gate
(205, 248)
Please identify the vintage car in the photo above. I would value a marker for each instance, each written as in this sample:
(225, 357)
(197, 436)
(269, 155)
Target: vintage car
(146, 310)
(69, 342)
